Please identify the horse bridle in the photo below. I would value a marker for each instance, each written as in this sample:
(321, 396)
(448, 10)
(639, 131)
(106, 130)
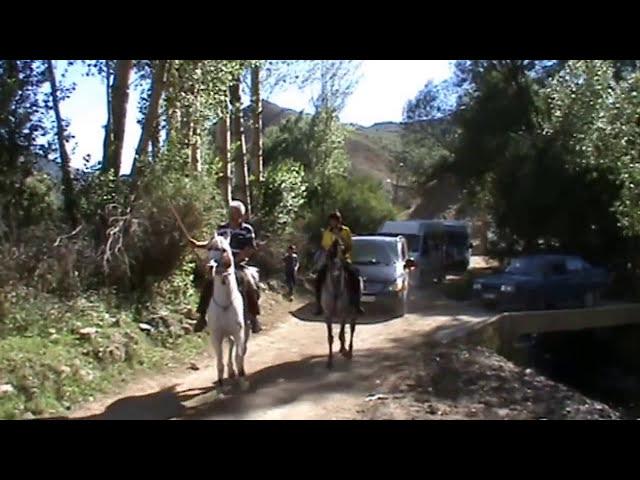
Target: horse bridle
(225, 273)
(333, 260)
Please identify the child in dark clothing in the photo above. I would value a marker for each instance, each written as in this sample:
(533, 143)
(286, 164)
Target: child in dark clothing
(290, 268)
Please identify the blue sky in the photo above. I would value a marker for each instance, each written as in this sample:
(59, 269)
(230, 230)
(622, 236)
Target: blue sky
(384, 88)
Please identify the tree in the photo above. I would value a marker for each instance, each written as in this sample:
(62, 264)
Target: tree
(67, 180)
(108, 128)
(241, 173)
(596, 110)
(223, 142)
(335, 80)
(264, 78)
(119, 101)
(150, 126)
(513, 168)
(256, 125)
(23, 126)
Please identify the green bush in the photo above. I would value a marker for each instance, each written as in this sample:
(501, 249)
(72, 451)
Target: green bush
(280, 197)
(361, 200)
(57, 353)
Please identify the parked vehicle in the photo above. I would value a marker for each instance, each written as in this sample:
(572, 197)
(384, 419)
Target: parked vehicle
(385, 266)
(539, 282)
(439, 247)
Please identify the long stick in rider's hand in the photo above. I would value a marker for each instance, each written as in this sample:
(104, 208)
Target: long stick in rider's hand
(182, 227)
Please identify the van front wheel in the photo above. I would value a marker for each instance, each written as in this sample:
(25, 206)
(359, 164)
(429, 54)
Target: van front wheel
(400, 304)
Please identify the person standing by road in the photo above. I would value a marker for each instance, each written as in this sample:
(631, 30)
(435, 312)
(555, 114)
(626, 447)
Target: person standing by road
(291, 264)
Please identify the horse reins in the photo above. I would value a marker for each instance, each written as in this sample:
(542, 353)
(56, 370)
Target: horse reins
(226, 273)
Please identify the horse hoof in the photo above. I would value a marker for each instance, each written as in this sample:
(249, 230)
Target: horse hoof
(344, 353)
(242, 373)
(232, 374)
(348, 355)
(329, 365)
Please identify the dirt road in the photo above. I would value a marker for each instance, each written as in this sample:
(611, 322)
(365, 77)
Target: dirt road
(287, 374)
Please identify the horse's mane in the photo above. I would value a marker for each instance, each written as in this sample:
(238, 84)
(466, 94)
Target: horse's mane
(336, 247)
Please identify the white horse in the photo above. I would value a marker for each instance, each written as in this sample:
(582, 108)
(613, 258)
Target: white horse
(225, 315)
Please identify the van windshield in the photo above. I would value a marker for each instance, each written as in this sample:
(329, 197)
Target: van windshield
(458, 239)
(413, 242)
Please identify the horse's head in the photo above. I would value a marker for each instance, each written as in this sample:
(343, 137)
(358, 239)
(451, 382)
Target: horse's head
(335, 259)
(220, 256)
(336, 251)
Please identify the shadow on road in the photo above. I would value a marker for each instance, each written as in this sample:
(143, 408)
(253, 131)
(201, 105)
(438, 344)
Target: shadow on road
(372, 316)
(271, 387)
(163, 404)
(422, 301)
(284, 383)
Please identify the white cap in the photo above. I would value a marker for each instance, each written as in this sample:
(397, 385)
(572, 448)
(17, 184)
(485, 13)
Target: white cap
(239, 205)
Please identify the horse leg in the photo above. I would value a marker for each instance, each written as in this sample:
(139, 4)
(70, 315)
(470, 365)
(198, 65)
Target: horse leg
(247, 334)
(217, 347)
(343, 322)
(352, 330)
(330, 340)
(247, 331)
(240, 353)
(232, 371)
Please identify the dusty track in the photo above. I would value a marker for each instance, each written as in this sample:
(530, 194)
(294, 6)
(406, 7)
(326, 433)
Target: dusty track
(287, 373)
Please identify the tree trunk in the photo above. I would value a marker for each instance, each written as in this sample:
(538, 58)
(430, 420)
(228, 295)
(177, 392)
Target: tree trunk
(222, 142)
(194, 133)
(108, 128)
(67, 181)
(172, 111)
(120, 99)
(241, 174)
(150, 125)
(155, 144)
(256, 143)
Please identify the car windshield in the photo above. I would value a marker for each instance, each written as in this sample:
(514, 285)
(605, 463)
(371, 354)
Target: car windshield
(528, 266)
(372, 252)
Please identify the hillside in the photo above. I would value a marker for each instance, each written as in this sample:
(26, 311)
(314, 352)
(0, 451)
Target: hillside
(370, 151)
(367, 147)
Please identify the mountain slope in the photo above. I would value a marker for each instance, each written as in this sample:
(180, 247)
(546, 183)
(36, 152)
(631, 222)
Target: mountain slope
(368, 148)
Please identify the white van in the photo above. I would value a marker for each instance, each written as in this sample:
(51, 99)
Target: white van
(437, 246)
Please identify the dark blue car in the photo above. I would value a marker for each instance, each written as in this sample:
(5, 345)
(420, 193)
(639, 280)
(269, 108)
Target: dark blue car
(539, 282)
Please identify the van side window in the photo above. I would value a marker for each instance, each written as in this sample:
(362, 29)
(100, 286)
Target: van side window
(425, 245)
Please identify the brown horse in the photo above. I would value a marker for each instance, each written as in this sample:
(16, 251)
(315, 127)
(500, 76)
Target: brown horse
(335, 300)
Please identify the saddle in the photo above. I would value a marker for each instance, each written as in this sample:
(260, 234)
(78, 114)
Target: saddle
(252, 275)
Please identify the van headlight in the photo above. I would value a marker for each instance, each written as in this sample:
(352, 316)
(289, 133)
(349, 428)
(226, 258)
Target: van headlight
(477, 286)
(507, 288)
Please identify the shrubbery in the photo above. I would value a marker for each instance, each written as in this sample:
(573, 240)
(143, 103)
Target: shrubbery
(314, 146)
